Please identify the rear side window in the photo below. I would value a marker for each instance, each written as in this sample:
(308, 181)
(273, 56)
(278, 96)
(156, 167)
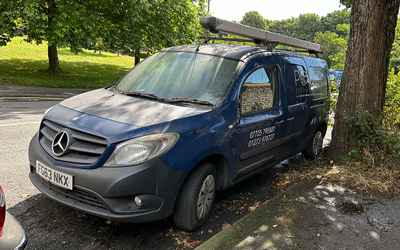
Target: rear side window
(319, 81)
(301, 81)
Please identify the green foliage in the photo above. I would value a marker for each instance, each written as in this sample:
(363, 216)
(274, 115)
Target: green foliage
(346, 3)
(71, 24)
(392, 102)
(334, 47)
(331, 31)
(137, 26)
(8, 15)
(334, 22)
(254, 19)
(128, 26)
(304, 27)
(395, 54)
(374, 140)
(333, 96)
(371, 141)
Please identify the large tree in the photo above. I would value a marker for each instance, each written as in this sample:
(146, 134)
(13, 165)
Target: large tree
(254, 19)
(373, 24)
(60, 23)
(140, 27)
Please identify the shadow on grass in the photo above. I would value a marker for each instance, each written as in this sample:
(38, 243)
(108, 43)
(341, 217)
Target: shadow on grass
(68, 52)
(73, 74)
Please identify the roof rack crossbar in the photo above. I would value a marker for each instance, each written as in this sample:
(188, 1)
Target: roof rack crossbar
(229, 39)
(259, 36)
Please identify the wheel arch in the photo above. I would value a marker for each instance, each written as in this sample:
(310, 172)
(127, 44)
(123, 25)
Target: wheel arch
(220, 162)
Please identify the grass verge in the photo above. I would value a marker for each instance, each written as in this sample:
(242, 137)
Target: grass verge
(23, 63)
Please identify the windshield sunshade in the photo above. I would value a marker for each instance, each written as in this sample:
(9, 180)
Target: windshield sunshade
(172, 75)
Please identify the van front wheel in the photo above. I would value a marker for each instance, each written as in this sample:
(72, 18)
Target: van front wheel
(314, 148)
(196, 200)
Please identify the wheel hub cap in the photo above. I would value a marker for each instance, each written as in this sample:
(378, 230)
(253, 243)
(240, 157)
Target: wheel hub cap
(317, 143)
(206, 197)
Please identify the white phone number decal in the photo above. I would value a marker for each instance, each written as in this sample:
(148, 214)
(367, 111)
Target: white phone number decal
(261, 136)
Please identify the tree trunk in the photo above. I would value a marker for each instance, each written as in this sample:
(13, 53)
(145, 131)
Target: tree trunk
(373, 24)
(136, 57)
(54, 64)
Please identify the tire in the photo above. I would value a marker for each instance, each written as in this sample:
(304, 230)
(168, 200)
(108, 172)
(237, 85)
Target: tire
(196, 198)
(314, 148)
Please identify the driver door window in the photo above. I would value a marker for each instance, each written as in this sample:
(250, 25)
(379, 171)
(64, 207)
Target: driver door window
(258, 93)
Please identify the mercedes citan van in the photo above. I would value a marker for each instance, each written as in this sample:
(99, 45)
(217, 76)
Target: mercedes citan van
(183, 124)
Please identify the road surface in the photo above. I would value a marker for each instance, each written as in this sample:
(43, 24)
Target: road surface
(19, 121)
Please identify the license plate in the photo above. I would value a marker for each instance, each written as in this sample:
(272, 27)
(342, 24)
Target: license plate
(55, 177)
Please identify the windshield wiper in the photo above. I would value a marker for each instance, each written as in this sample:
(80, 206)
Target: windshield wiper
(190, 100)
(142, 94)
(172, 100)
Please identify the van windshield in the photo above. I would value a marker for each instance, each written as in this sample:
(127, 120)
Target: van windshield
(181, 75)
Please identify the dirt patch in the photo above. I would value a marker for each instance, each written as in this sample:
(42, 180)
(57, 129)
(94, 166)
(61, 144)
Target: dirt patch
(357, 176)
(315, 216)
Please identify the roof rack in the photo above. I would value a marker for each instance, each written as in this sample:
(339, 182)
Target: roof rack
(258, 36)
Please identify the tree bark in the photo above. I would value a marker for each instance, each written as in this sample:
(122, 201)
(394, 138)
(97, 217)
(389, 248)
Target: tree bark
(54, 64)
(136, 57)
(373, 24)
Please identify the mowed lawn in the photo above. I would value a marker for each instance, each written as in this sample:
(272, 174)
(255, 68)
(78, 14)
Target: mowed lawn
(23, 63)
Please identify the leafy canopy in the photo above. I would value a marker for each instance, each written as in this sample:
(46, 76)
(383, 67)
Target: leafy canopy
(150, 25)
(8, 15)
(331, 31)
(73, 23)
(254, 19)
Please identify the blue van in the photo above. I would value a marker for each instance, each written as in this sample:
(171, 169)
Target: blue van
(182, 125)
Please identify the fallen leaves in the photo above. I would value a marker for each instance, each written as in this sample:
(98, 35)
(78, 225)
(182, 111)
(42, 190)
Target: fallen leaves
(354, 175)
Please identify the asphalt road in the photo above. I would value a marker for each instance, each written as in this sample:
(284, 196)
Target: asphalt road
(53, 226)
(19, 121)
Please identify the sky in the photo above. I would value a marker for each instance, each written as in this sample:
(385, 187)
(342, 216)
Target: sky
(233, 10)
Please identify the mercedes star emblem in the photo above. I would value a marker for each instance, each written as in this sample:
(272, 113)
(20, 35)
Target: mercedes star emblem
(60, 143)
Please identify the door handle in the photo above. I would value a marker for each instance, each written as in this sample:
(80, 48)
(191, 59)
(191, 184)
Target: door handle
(280, 122)
(290, 119)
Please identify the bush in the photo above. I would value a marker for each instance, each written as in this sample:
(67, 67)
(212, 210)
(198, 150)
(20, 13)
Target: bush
(373, 142)
(392, 102)
(334, 96)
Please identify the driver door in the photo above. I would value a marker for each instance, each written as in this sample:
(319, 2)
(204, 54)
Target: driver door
(262, 124)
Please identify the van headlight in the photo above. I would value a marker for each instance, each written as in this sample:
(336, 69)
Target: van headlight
(139, 150)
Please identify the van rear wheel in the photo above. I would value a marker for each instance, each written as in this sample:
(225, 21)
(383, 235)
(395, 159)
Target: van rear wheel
(197, 198)
(314, 148)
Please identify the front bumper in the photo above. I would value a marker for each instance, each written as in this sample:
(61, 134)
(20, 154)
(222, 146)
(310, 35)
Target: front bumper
(109, 192)
(13, 236)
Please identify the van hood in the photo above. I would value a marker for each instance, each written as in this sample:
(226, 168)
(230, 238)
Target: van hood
(138, 112)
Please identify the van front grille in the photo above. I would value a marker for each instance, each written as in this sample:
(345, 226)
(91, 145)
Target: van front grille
(83, 149)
